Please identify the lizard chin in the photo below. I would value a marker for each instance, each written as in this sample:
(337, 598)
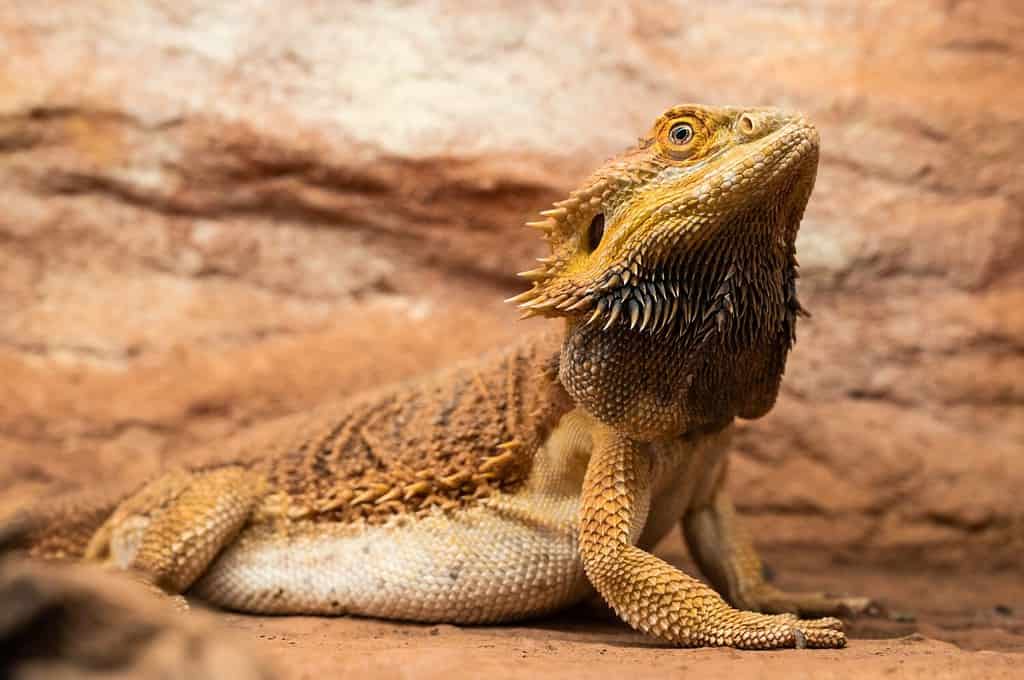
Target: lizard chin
(720, 356)
(719, 365)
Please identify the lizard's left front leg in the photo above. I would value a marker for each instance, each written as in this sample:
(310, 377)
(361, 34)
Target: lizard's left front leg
(648, 593)
(724, 550)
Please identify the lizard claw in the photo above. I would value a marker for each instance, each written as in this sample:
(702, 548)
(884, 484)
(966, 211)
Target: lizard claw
(825, 633)
(179, 603)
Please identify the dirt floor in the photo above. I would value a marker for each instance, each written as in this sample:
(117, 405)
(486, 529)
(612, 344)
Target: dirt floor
(75, 622)
(968, 623)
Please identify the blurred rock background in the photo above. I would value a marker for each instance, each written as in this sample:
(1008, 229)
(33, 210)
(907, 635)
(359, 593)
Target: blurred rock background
(216, 213)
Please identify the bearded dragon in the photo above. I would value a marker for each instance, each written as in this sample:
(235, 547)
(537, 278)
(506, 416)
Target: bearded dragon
(516, 484)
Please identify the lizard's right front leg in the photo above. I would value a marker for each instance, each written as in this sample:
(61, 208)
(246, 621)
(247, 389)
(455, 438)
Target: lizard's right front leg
(648, 593)
(172, 529)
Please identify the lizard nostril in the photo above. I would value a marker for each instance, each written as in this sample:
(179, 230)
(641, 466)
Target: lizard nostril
(747, 124)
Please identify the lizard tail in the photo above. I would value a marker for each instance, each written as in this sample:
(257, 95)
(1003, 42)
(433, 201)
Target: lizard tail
(58, 528)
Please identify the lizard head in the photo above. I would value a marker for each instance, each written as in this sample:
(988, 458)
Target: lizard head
(674, 265)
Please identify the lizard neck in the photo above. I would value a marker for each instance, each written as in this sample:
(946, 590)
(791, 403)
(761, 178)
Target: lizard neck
(721, 358)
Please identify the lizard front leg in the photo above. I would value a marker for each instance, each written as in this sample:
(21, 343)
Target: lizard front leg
(170, 531)
(724, 550)
(648, 593)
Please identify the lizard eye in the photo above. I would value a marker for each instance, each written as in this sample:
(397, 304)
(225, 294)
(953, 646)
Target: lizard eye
(596, 232)
(681, 133)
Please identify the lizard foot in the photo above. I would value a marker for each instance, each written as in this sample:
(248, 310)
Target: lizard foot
(177, 602)
(785, 631)
(771, 600)
(180, 603)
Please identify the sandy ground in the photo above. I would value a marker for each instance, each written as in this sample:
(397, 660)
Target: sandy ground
(969, 623)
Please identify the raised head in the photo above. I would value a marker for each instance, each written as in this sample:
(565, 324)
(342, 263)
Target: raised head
(674, 266)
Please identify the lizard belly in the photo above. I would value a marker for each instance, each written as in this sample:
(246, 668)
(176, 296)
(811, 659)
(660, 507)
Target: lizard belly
(509, 556)
(479, 565)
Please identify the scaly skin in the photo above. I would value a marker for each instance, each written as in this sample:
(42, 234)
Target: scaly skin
(509, 486)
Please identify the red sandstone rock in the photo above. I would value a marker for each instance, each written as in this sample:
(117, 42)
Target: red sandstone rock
(214, 214)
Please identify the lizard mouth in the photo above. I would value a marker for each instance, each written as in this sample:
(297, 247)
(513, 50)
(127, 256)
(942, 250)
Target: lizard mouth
(684, 253)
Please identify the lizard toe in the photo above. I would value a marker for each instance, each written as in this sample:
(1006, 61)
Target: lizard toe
(782, 631)
(821, 638)
(826, 623)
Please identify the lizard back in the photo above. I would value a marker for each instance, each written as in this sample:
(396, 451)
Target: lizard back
(445, 440)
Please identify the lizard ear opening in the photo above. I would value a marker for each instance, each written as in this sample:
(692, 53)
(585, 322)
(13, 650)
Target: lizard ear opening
(595, 233)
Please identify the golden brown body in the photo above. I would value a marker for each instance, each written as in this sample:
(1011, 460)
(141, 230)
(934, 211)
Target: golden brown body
(507, 487)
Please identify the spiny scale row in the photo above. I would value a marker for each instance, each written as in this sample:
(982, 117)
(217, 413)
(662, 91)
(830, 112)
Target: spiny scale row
(588, 198)
(595, 195)
(428, 490)
(573, 212)
(645, 306)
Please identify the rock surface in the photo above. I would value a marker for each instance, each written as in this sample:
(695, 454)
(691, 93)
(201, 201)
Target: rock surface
(217, 213)
(214, 213)
(66, 623)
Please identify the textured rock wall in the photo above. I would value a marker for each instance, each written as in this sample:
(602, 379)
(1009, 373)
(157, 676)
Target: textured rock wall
(214, 213)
